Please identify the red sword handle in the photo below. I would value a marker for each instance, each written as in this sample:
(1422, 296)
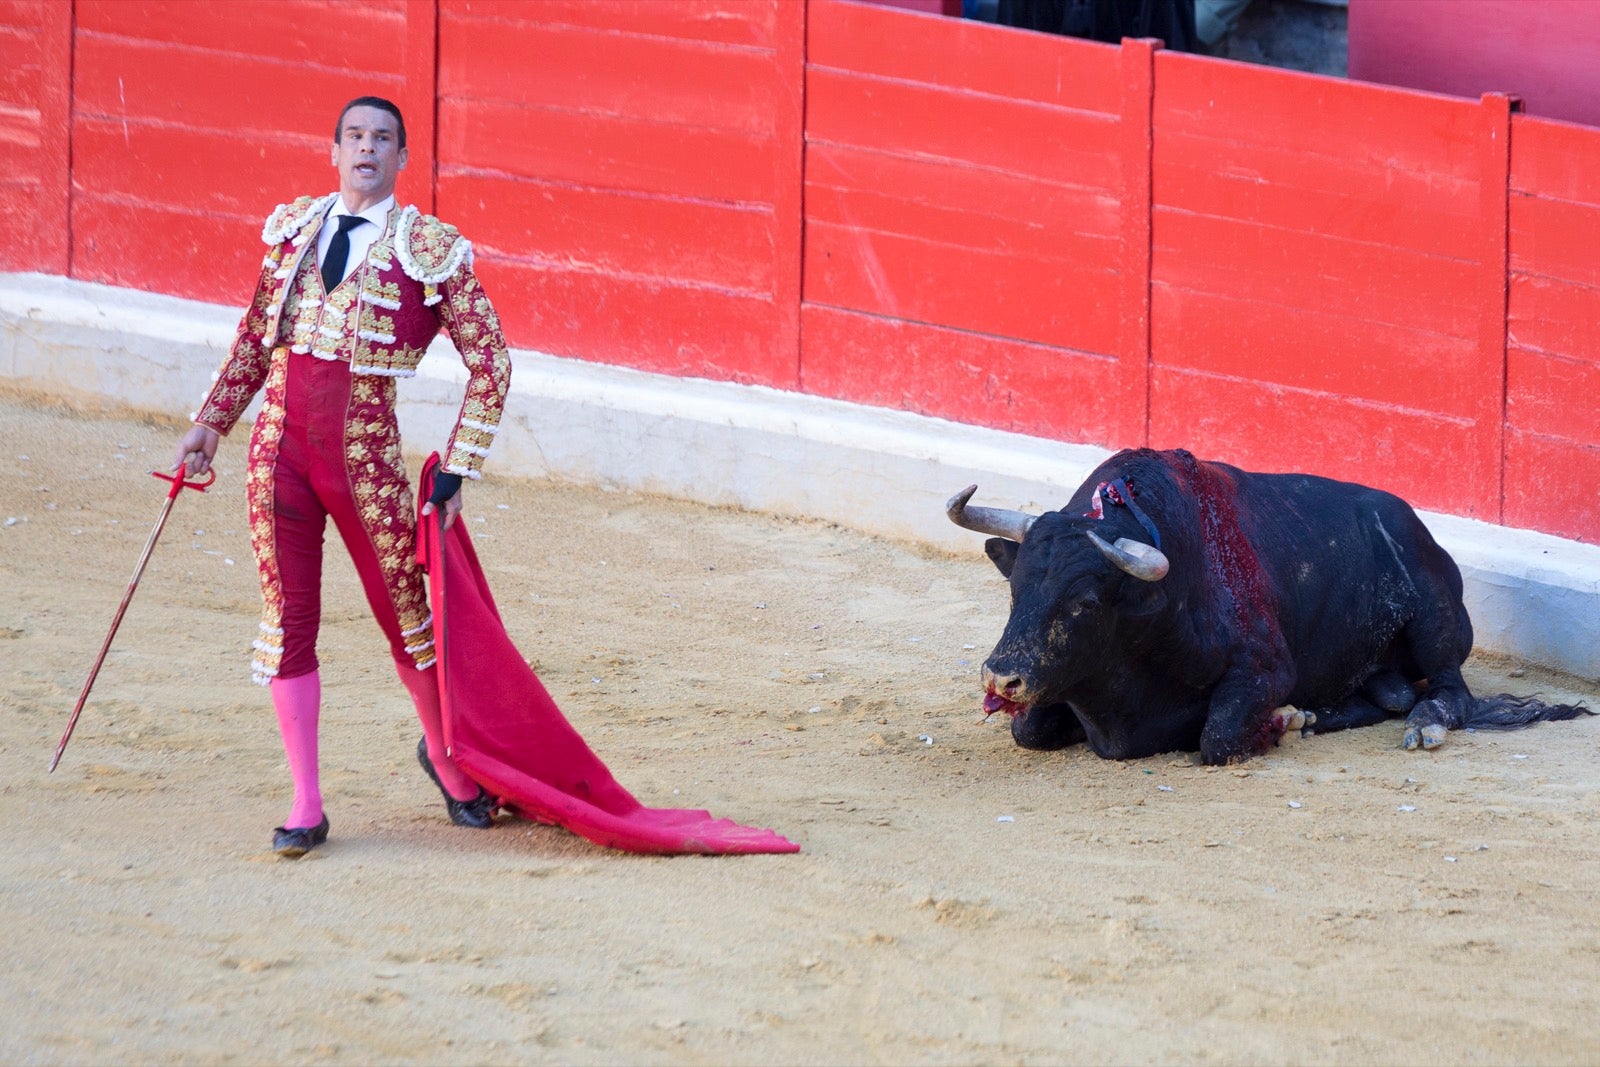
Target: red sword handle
(179, 484)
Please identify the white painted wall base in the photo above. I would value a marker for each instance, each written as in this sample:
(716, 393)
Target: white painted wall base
(885, 472)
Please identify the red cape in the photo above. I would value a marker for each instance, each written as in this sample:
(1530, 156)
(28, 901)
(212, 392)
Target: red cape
(504, 731)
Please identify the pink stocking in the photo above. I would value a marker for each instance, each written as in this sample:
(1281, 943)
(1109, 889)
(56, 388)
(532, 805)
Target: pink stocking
(298, 701)
(424, 688)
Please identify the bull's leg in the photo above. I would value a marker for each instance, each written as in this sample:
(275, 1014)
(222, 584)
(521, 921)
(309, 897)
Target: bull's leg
(1046, 728)
(1387, 692)
(1391, 691)
(1354, 710)
(1439, 637)
(1246, 716)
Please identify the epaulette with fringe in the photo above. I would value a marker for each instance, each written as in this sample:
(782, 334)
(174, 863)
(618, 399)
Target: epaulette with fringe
(288, 219)
(430, 251)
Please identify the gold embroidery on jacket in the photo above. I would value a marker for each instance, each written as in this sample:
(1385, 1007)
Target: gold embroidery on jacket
(264, 442)
(416, 279)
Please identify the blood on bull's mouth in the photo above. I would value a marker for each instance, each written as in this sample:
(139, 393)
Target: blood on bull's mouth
(993, 702)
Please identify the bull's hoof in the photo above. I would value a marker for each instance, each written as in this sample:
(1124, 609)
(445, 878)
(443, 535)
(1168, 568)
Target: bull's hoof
(1426, 737)
(1297, 722)
(1425, 727)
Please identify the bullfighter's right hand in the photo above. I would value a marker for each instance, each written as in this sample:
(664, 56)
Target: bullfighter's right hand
(196, 450)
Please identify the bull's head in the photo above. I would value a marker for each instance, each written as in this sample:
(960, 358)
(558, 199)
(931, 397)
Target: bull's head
(1063, 604)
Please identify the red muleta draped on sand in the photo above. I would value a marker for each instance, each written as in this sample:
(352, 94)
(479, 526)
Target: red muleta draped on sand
(507, 734)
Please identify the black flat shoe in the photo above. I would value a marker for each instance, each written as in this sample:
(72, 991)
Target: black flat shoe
(477, 813)
(291, 844)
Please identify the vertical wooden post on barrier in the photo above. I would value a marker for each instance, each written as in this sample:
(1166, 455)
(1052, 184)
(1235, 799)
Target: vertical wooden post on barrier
(419, 102)
(53, 229)
(788, 195)
(1138, 145)
(1494, 191)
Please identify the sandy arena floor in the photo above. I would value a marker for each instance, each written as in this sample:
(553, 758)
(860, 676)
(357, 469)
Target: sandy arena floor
(958, 900)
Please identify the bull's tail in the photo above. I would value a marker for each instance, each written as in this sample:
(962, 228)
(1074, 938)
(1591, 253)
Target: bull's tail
(1506, 712)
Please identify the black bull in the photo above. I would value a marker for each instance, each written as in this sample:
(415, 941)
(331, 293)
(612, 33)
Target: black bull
(1176, 604)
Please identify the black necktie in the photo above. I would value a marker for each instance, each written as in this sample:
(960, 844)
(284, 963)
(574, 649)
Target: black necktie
(338, 252)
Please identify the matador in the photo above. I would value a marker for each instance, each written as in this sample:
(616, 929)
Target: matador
(352, 290)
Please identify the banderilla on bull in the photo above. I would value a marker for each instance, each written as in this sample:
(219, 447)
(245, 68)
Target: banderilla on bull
(179, 484)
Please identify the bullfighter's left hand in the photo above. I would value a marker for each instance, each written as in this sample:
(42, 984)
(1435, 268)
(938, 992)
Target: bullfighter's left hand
(446, 494)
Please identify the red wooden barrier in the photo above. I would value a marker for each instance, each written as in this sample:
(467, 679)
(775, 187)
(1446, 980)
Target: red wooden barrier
(1316, 298)
(190, 121)
(963, 223)
(1097, 244)
(629, 172)
(35, 67)
(1553, 340)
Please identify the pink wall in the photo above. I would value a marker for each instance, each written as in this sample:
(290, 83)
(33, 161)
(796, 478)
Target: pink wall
(930, 7)
(1546, 51)
(1102, 244)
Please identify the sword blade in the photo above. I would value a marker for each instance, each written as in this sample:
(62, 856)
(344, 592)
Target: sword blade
(127, 598)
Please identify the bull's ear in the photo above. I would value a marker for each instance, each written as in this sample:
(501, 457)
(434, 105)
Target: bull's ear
(1139, 599)
(1003, 552)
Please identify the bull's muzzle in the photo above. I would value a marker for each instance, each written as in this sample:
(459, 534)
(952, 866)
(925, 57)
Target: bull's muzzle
(1004, 692)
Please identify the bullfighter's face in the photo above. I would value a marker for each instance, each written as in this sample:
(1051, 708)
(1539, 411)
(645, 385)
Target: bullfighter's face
(369, 157)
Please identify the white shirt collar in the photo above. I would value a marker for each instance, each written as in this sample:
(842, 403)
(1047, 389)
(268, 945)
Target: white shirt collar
(362, 238)
(377, 214)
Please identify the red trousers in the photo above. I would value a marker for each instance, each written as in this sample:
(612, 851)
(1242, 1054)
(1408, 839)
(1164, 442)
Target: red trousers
(337, 455)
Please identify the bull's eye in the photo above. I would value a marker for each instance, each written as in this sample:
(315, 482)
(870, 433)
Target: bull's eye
(1081, 606)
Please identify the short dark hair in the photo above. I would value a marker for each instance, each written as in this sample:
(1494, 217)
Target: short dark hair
(371, 101)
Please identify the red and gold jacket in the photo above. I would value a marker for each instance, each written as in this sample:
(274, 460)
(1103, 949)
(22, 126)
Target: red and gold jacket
(417, 280)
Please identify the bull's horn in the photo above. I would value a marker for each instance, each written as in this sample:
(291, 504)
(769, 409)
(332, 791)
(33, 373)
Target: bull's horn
(998, 522)
(1144, 562)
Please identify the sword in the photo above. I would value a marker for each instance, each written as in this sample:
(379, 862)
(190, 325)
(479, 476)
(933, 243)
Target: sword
(178, 486)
